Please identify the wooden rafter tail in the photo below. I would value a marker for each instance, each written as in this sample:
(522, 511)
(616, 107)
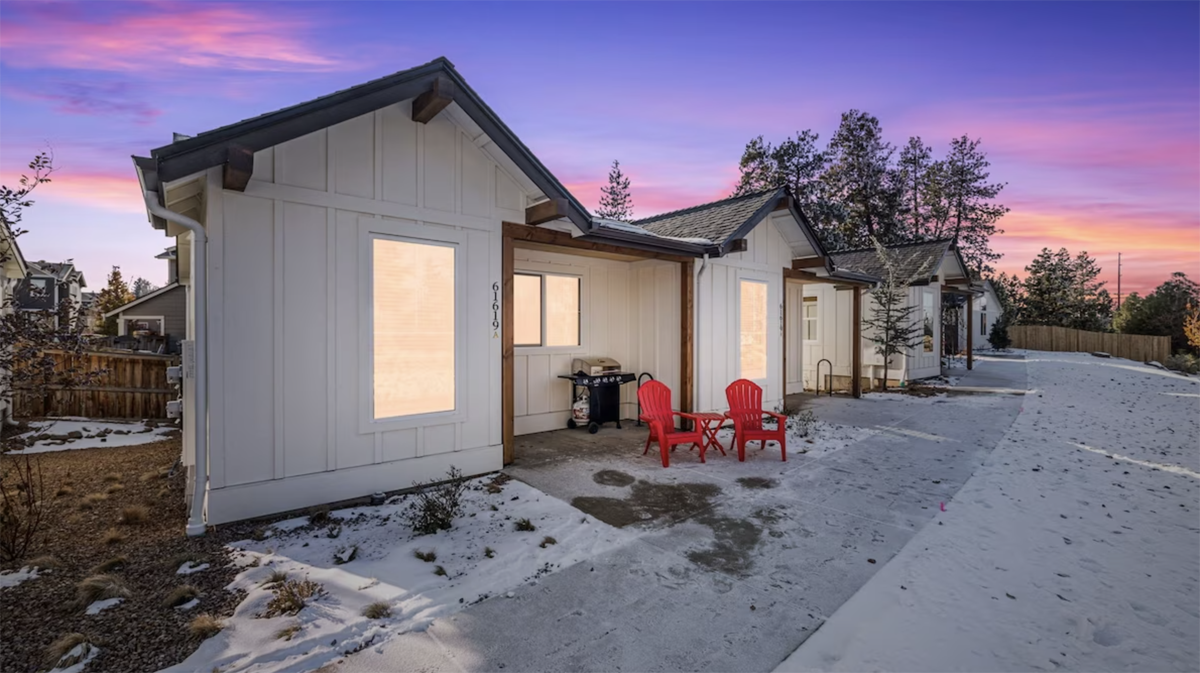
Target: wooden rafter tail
(239, 166)
(808, 263)
(427, 105)
(546, 211)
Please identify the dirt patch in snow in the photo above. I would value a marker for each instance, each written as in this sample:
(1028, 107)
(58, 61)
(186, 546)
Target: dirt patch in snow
(613, 478)
(648, 502)
(734, 541)
(757, 482)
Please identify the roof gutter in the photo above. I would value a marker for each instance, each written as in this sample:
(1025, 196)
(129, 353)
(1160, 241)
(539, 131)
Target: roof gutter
(195, 524)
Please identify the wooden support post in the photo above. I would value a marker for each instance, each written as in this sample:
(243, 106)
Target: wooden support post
(970, 332)
(783, 321)
(687, 314)
(507, 405)
(856, 345)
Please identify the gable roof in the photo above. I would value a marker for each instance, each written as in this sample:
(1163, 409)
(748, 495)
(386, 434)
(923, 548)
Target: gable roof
(719, 223)
(149, 295)
(60, 271)
(911, 257)
(205, 150)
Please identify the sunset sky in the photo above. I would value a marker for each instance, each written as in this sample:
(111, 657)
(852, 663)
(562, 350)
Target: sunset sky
(1089, 111)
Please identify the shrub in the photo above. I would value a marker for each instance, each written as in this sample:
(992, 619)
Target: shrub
(525, 525)
(1183, 362)
(44, 562)
(377, 610)
(291, 596)
(426, 556)
(440, 571)
(180, 595)
(205, 626)
(114, 563)
(437, 504)
(801, 423)
(62, 653)
(318, 515)
(134, 514)
(22, 491)
(275, 577)
(113, 536)
(489, 552)
(98, 588)
(999, 335)
(547, 541)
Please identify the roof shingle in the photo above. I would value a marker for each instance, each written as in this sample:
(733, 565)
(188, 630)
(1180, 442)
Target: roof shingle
(716, 221)
(910, 258)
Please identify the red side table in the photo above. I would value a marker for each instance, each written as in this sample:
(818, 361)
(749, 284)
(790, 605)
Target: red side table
(709, 425)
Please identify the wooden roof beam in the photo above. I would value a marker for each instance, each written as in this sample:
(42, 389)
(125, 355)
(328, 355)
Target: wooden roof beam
(809, 263)
(426, 106)
(239, 166)
(521, 232)
(546, 211)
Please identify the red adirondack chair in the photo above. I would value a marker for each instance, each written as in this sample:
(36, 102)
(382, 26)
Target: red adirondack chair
(746, 412)
(655, 399)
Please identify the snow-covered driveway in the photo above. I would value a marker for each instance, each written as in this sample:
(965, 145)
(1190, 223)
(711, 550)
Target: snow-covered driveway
(1075, 547)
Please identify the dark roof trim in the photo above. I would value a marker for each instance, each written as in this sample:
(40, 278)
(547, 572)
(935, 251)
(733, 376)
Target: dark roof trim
(807, 229)
(208, 149)
(650, 243)
(854, 277)
(758, 216)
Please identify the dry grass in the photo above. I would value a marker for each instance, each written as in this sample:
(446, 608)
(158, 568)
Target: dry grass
(98, 588)
(113, 536)
(132, 515)
(525, 525)
(205, 626)
(377, 610)
(61, 647)
(276, 577)
(291, 596)
(112, 476)
(149, 476)
(440, 571)
(44, 562)
(319, 516)
(64, 491)
(114, 488)
(426, 556)
(92, 499)
(180, 595)
(114, 563)
(489, 552)
(287, 632)
(547, 541)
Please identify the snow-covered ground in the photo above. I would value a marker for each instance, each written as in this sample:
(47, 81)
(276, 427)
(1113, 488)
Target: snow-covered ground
(65, 434)
(482, 556)
(11, 578)
(1076, 546)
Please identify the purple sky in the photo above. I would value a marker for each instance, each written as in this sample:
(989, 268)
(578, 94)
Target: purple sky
(1089, 111)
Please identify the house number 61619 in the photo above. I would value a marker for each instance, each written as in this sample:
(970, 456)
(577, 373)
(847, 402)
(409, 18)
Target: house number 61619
(495, 310)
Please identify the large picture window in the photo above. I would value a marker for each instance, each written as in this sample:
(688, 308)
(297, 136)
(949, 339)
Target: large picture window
(413, 327)
(545, 309)
(811, 307)
(753, 328)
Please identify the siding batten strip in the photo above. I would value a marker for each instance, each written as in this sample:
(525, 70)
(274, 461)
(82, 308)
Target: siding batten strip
(506, 348)
(330, 339)
(277, 320)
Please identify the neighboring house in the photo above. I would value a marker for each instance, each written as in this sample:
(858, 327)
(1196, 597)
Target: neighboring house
(825, 325)
(987, 312)
(394, 282)
(48, 284)
(90, 312)
(161, 312)
(13, 269)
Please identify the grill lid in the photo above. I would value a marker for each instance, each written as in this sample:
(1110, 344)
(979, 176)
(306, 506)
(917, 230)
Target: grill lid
(595, 365)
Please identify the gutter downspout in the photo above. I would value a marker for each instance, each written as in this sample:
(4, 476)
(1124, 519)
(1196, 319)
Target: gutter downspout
(195, 524)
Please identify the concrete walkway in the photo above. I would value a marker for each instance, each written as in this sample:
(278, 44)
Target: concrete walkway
(734, 564)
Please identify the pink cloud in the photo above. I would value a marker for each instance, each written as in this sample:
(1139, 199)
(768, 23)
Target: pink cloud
(96, 100)
(116, 192)
(162, 36)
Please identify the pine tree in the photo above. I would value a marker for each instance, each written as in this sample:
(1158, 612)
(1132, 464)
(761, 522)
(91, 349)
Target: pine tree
(616, 203)
(967, 202)
(861, 179)
(1163, 312)
(915, 174)
(1064, 291)
(114, 295)
(797, 164)
(142, 287)
(892, 326)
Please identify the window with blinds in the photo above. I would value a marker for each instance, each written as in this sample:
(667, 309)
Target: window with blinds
(413, 327)
(752, 319)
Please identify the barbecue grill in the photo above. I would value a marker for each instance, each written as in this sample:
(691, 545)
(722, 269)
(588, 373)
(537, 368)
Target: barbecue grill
(603, 378)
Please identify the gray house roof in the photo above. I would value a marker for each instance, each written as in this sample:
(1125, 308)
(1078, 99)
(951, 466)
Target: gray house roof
(910, 257)
(717, 222)
(60, 271)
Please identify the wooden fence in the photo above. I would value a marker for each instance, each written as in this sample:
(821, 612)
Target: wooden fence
(133, 385)
(1136, 347)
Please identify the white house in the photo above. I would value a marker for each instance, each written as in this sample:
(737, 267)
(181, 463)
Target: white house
(987, 312)
(827, 352)
(13, 269)
(385, 282)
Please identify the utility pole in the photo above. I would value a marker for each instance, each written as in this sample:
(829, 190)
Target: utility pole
(1118, 281)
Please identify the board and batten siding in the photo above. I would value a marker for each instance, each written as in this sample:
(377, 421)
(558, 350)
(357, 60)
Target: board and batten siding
(717, 345)
(289, 312)
(629, 312)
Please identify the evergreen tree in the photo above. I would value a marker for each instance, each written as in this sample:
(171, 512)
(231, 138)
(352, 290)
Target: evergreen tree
(616, 203)
(1163, 312)
(797, 164)
(892, 326)
(860, 178)
(114, 295)
(1191, 326)
(915, 178)
(998, 336)
(1010, 293)
(142, 287)
(967, 202)
(1064, 291)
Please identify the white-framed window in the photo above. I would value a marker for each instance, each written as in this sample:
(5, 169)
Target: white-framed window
(930, 320)
(752, 322)
(811, 312)
(546, 309)
(983, 324)
(414, 332)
